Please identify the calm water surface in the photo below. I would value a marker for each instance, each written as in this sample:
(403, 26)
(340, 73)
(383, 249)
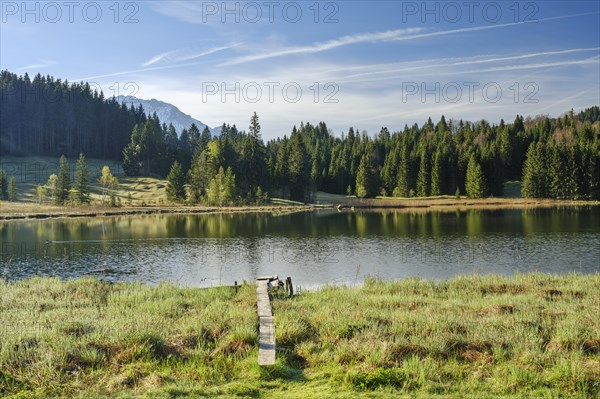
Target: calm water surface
(313, 248)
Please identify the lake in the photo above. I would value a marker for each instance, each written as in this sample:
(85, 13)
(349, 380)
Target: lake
(314, 248)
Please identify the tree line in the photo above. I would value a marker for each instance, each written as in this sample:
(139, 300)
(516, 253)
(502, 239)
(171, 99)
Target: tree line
(51, 117)
(554, 157)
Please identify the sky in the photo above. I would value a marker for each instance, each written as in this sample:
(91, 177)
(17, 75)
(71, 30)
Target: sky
(365, 64)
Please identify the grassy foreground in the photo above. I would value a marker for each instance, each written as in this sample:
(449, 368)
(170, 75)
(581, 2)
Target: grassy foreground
(471, 337)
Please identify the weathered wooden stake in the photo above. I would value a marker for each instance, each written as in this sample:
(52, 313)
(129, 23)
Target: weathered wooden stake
(289, 288)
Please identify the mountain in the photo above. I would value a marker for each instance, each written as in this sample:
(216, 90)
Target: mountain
(167, 113)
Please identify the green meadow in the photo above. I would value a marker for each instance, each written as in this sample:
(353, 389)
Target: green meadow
(527, 336)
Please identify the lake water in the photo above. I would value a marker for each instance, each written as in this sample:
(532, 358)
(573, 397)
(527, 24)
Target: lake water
(314, 248)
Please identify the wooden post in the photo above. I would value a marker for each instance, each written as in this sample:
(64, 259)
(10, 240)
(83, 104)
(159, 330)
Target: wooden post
(289, 288)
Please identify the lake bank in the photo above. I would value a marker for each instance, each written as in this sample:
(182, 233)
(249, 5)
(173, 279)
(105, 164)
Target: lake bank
(527, 336)
(30, 210)
(23, 210)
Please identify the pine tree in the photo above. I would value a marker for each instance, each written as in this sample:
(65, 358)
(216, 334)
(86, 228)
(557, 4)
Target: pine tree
(475, 183)
(577, 174)
(493, 170)
(507, 150)
(12, 189)
(298, 168)
(131, 154)
(404, 173)
(534, 175)
(81, 181)
(556, 173)
(280, 174)
(254, 129)
(562, 170)
(389, 171)
(253, 159)
(436, 174)
(204, 139)
(424, 176)
(176, 183)
(63, 183)
(365, 176)
(592, 171)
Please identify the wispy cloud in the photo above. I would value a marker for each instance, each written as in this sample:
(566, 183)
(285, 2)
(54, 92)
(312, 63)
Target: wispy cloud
(174, 56)
(328, 45)
(185, 55)
(133, 71)
(387, 69)
(390, 35)
(485, 27)
(41, 64)
(593, 60)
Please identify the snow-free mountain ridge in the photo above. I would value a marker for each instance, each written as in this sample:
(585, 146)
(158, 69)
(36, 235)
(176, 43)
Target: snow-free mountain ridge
(167, 113)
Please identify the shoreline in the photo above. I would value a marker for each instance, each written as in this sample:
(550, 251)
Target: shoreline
(31, 211)
(87, 212)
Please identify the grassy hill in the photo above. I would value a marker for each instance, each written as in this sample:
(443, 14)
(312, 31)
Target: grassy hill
(32, 171)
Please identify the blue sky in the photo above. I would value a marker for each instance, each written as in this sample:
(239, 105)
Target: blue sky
(357, 63)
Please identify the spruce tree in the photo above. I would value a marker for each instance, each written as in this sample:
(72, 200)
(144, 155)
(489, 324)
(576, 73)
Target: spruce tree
(82, 181)
(131, 154)
(176, 183)
(436, 174)
(576, 175)
(253, 159)
(404, 173)
(365, 176)
(532, 185)
(389, 171)
(199, 176)
(592, 171)
(424, 176)
(475, 181)
(555, 164)
(63, 183)
(298, 168)
(280, 173)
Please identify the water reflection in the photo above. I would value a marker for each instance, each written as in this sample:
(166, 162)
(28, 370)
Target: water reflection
(314, 248)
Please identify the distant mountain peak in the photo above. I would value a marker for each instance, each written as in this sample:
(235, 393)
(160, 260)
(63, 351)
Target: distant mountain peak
(166, 112)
